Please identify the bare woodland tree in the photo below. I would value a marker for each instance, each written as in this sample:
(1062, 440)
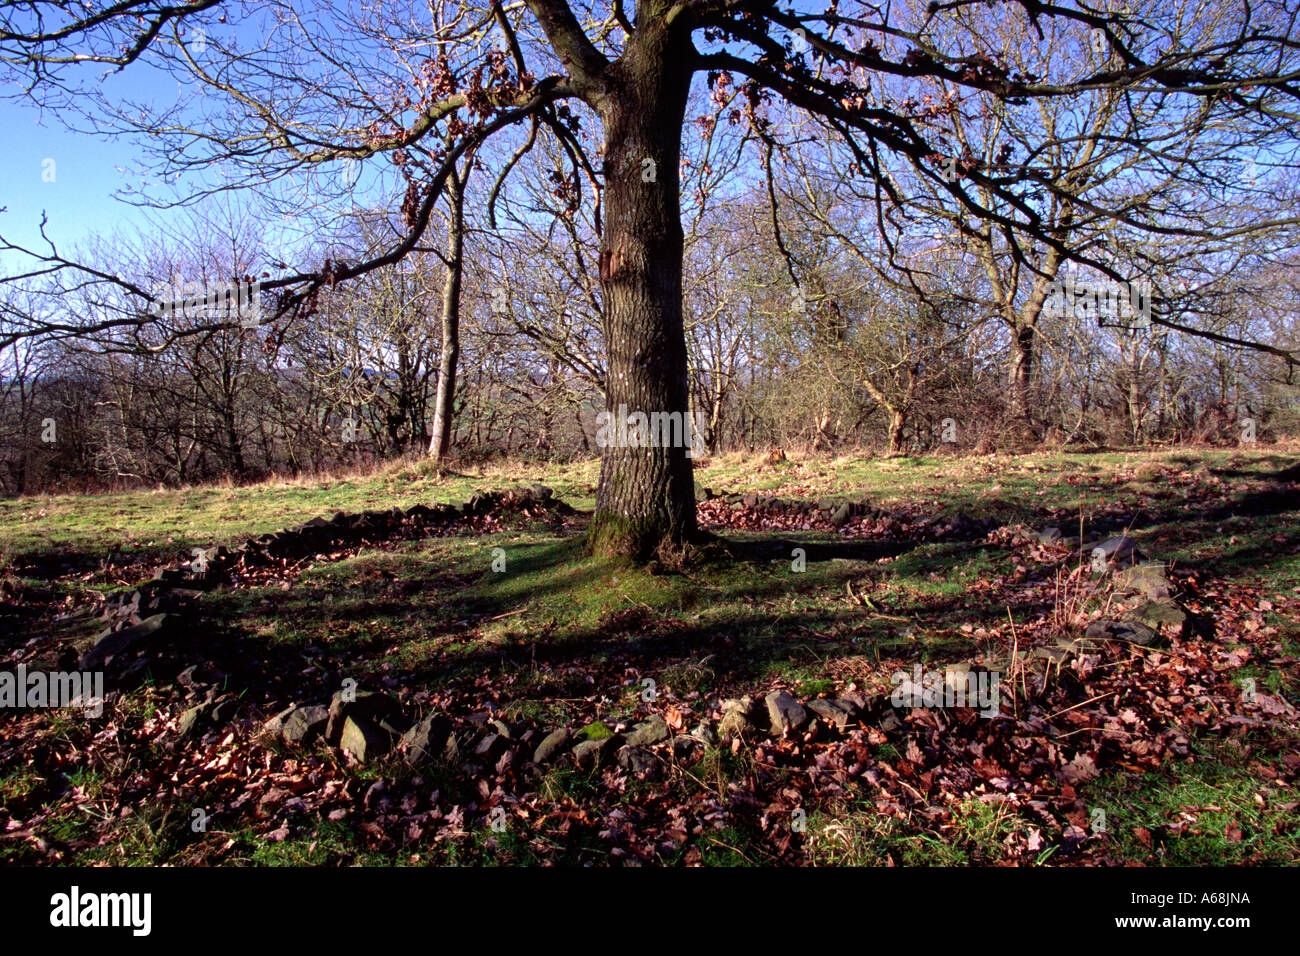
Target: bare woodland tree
(425, 87)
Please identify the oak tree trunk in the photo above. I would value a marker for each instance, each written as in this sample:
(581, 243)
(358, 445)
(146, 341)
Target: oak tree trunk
(1020, 376)
(645, 497)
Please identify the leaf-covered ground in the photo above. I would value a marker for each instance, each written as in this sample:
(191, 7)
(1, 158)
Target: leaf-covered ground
(1105, 753)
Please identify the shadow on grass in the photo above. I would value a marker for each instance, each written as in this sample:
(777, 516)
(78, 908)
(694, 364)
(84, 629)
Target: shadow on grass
(751, 620)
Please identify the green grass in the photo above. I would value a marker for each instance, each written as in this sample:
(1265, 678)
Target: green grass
(150, 521)
(1215, 806)
(564, 638)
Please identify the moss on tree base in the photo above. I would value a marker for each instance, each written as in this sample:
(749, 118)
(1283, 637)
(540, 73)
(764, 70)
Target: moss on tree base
(638, 539)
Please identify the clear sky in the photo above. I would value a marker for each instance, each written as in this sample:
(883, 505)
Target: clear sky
(72, 176)
(85, 170)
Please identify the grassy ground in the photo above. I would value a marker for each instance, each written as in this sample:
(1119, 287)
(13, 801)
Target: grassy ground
(561, 638)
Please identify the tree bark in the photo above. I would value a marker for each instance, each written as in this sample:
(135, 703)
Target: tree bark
(449, 357)
(645, 497)
(1020, 377)
(897, 421)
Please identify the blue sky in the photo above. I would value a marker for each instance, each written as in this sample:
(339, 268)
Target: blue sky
(85, 174)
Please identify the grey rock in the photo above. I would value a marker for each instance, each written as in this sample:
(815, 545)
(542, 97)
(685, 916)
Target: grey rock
(1159, 615)
(192, 722)
(112, 644)
(594, 754)
(490, 747)
(642, 762)
(304, 724)
(427, 740)
(686, 746)
(784, 712)
(705, 734)
(853, 702)
(275, 725)
(363, 741)
(648, 732)
(375, 708)
(1114, 551)
(1149, 580)
(1130, 631)
(831, 712)
(551, 746)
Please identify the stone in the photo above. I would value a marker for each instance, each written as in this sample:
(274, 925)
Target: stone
(427, 740)
(376, 708)
(1130, 631)
(224, 710)
(552, 745)
(112, 644)
(686, 746)
(1160, 615)
(853, 702)
(735, 724)
(831, 712)
(363, 741)
(641, 762)
(705, 734)
(1114, 551)
(192, 722)
(785, 713)
(652, 731)
(594, 754)
(199, 676)
(1149, 580)
(490, 747)
(275, 725)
